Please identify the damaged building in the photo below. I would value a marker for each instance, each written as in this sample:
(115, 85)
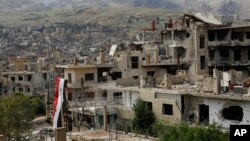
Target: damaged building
(198, 72)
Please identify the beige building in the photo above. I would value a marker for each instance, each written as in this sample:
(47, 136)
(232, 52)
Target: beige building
(29, 83)
(181, 78)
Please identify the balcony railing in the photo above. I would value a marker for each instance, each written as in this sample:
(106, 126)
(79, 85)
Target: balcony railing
(97, 101)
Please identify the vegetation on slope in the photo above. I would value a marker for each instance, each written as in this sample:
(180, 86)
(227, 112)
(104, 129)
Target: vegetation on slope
(144, 123)
(17, 113)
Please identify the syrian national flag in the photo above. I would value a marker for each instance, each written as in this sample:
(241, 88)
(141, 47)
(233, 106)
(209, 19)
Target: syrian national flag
(58, 102)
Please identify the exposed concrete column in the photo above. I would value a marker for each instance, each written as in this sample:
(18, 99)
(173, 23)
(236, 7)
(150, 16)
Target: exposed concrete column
(167, 83)
(231, 55)
(156, 56)
(2, 138)
(142, 81)
(172, 35)
(102, 56)
(216, 55)
(147, 58)
(216, 78)
(105, 118)
(60, 134)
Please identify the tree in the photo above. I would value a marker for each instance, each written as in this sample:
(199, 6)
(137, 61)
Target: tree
(17, 113)
(182, 132)
(38, 106)
(143, 118)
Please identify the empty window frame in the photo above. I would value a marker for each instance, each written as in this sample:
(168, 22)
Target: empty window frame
(202, 41)
(233, 113)
(167, 109)
(247, 35)
(224, 53)
(211, 35)
(134, 62)
(27, 89)
(20, 78)
(135, 77)
(202, 62)
(12, 78)
(117, 95)
(89, 76)
(29, 77)
(237, 55)
(150, 73)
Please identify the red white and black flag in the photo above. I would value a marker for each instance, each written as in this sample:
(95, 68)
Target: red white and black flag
(59, 102)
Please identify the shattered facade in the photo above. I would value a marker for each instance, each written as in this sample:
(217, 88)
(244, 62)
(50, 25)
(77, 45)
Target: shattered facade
(197, 72)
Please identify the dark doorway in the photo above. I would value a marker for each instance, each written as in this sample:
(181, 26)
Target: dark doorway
(204, 114)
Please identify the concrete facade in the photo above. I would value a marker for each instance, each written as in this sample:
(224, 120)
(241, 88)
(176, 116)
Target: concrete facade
(25, 82)
(181, 78)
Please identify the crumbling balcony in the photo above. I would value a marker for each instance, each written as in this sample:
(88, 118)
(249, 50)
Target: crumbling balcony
(168, 62)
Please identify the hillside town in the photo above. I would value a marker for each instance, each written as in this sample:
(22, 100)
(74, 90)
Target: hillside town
(194, 70)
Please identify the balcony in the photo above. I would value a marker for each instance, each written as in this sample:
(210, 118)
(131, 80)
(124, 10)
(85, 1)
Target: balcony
(228, 63)
(169, 62)
(229, 43)
(97, 101)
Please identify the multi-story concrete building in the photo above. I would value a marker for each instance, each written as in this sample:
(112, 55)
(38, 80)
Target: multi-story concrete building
(197, 73)
(29, 83)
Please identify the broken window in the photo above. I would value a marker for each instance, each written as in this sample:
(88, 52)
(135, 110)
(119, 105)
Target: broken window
(134, 62)
(12, 78)
(202, 41)
(179, 35)
(237, 55)
(222, 34)
(136, 77)
(151, 73)
(20, 78)
(29, 77)
(233, 113)
(89, 76)
(104, 94)
(116, 75)
(224, 53)
(202, 62)
(117, 95)
(69, 78)
(204, 114)
(20, 89)
(211, 35)
(167, 109)
(247, 35)
(237, 36)
(28, 89)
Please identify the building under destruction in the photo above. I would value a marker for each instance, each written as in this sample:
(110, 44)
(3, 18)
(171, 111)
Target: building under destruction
(195, 70)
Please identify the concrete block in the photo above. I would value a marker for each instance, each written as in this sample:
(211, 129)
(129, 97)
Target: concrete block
(60, 134)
